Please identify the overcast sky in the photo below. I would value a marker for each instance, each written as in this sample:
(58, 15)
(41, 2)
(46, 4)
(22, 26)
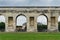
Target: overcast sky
(29, 3)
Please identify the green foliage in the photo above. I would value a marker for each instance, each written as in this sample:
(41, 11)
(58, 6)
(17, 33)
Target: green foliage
(2, 26)
(41, 27)
(59, 26)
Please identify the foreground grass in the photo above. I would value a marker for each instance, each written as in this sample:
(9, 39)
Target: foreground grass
(30, 36)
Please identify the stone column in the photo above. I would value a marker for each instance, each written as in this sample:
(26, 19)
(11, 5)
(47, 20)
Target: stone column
(14, 23)
(9, 24)
(35, 24)
(31, 24)
(53, 24)
(27, 24)
(56, 24)
(6, 24)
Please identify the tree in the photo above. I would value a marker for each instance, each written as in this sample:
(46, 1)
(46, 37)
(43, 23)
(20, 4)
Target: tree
(59, 26)
(2, 26)
(41, 27)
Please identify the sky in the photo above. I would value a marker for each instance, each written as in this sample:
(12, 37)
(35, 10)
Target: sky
(29, 3)
(21, 20)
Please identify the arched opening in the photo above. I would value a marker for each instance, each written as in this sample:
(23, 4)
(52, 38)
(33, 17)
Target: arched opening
(59, 23)
(2, 23)
(21, 23)
(42, 23)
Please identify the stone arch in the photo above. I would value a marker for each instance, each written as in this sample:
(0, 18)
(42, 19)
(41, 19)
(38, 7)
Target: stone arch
(24, 26)
(45, 16)
(3, 23)
(20, 14)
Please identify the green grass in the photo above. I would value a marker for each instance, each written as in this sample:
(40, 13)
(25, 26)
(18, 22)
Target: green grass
(30, 36)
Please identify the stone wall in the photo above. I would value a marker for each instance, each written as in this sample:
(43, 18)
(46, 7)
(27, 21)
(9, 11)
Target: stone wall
(31, 14)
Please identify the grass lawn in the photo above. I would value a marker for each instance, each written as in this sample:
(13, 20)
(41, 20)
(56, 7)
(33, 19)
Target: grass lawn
(29, 36)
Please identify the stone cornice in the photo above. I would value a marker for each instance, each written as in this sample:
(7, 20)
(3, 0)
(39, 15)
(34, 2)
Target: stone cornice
(29, 6)
(29, 10)
(24, 11)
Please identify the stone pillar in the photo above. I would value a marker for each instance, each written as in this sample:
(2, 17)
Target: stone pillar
(6, 24)
(31, 24)
(14, 23)
(9, 24)
(35, 23)
(53, 24)
(27, 24)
